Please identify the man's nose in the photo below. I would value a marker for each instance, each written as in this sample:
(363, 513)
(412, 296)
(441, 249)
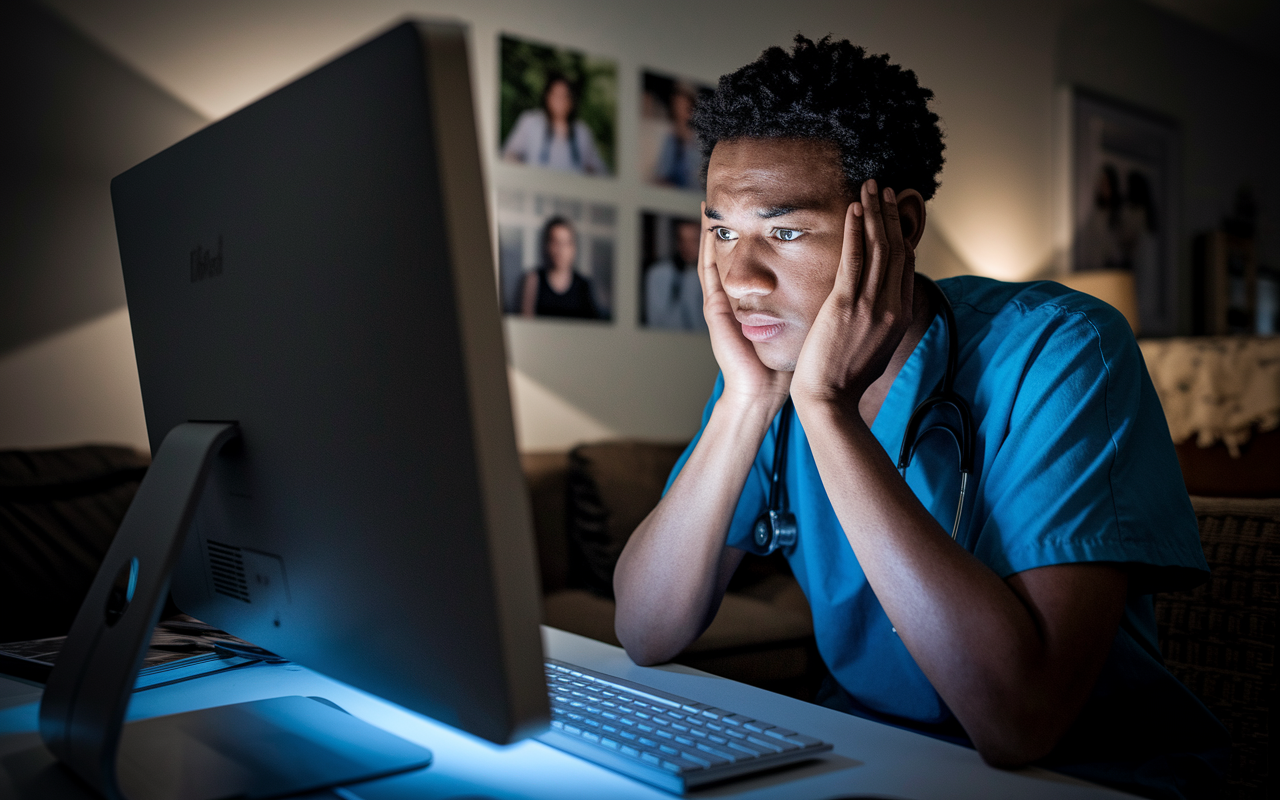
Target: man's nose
(744, 271)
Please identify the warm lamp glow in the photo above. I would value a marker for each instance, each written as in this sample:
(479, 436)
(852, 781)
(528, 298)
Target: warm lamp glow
(1112, 286)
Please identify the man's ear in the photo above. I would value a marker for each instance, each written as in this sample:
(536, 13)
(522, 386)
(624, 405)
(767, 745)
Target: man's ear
(911, 214)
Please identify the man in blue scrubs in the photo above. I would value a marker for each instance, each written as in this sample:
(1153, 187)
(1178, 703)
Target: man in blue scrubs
(1031, 635)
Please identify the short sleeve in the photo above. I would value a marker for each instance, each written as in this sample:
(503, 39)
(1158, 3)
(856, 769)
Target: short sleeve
(754, 497)
(1086, 470)
(518, 141)
(591, 161)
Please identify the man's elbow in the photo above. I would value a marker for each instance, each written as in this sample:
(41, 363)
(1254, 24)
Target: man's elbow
(643, 650)
(644, 657)
(1010, 755)
(1016, 746)
(647, 639)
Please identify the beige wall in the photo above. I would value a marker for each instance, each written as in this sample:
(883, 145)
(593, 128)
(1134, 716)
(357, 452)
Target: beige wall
(993, 65)
(79, 385)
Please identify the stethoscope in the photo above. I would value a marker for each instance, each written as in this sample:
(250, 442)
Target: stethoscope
(776, 527)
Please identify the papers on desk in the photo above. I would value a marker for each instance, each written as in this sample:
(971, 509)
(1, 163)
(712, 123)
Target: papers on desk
(169, 672)
(188, 668)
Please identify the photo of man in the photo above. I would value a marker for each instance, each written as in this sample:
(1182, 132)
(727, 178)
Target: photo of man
(669, 154)
(670, 291)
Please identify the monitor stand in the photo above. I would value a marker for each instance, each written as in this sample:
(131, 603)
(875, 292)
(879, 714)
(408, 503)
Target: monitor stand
(263, 749)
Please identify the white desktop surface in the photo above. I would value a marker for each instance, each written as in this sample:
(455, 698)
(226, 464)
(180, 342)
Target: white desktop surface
(869, 760)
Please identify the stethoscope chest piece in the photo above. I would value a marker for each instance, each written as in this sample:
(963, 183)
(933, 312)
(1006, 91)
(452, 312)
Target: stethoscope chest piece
(775, 529)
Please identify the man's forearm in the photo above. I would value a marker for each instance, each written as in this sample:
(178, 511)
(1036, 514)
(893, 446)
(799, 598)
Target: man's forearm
(672, 574)
(1013, 682)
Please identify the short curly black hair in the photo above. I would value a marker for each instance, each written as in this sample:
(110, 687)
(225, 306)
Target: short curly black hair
(875, 112)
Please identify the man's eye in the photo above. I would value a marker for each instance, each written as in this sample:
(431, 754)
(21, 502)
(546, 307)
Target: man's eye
(787, 234)
(724, 234)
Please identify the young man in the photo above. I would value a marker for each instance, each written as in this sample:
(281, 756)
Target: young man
(1031, 634)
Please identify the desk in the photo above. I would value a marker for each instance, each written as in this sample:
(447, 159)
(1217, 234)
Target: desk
(869, 759)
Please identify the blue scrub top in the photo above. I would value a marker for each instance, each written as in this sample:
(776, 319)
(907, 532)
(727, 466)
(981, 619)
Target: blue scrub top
(1073, 463)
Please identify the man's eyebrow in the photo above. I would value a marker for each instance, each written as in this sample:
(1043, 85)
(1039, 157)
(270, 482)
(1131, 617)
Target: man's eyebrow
(777, 211)
(766, 213)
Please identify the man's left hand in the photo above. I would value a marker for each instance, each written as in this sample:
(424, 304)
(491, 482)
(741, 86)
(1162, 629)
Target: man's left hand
(868, 311)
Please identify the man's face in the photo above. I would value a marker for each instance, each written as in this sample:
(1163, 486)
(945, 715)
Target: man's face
(776, 208)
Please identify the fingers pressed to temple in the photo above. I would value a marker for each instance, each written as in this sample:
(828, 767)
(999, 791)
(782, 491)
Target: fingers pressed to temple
(851, 252)
(893, 232)
(877, 245)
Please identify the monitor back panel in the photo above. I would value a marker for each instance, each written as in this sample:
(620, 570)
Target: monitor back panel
(317, 268)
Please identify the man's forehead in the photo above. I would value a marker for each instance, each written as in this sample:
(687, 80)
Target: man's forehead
(773, 177)
(770, 199)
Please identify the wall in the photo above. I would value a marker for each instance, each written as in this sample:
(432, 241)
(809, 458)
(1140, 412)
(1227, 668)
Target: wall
(993, 65)
(74, 117)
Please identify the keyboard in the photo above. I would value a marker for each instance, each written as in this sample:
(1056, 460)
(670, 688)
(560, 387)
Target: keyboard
(670, 742)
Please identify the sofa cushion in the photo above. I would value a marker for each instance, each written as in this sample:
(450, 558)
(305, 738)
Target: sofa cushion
(612, 487)
(545, 473)
(59, 511)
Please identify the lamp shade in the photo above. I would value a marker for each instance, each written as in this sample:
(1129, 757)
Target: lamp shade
(1114, 287)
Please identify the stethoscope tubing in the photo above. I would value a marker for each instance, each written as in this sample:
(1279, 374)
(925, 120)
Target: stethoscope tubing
(945, 395)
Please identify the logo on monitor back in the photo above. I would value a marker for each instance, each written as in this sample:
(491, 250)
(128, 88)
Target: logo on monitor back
(206, 263)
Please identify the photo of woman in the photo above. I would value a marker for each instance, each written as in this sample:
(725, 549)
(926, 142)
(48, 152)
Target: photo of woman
(555, 289)
(557, 108)
(555, 255)
(551, 136)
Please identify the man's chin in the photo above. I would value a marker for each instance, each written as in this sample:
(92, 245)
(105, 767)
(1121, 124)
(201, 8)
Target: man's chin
(776, 356)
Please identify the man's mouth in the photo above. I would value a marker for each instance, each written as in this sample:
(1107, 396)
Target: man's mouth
(760, 327)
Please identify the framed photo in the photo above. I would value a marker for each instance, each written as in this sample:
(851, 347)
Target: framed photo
(669, 152)
(1124, 184)
(558, 108)
(555, 255)
(670, 290)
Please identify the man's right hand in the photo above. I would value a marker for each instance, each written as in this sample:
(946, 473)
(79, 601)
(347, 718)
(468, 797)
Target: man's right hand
(746, 379)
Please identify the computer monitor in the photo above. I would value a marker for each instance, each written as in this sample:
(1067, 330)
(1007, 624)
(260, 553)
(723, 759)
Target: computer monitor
(316, 269)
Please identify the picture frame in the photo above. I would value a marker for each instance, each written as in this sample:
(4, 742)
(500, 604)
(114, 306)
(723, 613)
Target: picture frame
(558, 107)
(669, 152)
(1124, 184)
(543, 233)
(670, 289)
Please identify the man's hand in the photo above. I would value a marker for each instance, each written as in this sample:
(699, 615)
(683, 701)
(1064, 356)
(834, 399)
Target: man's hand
(746, 378)
(868, 311)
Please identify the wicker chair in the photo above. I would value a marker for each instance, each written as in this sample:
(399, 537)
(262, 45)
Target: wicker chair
(1220, 638)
